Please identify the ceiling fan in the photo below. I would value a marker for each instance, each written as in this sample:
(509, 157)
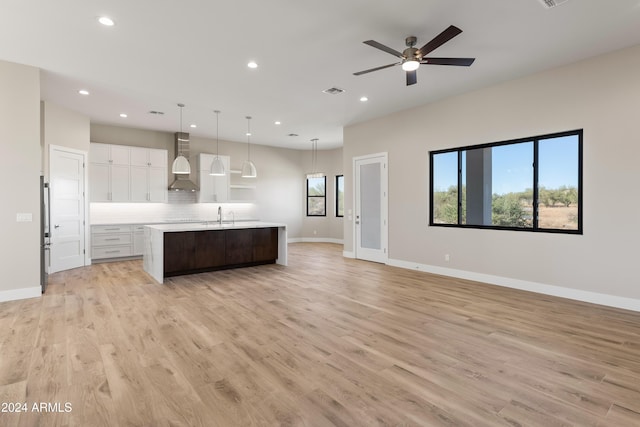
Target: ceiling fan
(413, 57)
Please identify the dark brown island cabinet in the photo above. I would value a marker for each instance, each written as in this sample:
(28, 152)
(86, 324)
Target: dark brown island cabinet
(187, 252)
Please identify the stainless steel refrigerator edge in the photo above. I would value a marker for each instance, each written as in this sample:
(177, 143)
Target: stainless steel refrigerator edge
(45, 203)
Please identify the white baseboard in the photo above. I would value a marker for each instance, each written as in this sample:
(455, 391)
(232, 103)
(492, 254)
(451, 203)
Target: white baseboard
(314, 240)
(23, 293)
(349, 254)
(541, 288)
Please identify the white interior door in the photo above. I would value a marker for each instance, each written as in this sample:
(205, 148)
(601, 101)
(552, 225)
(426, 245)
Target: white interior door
(370, 225)
(67, 228)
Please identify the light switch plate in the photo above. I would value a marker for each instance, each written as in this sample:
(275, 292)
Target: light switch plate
(24, 217)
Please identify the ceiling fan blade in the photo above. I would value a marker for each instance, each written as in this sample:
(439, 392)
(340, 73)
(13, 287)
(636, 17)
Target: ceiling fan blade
(380, 46)
(440, 39)
(412, 77)
(463, 62)
(375, 69)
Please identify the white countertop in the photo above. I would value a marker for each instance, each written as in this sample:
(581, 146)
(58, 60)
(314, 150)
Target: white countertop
(202, 226)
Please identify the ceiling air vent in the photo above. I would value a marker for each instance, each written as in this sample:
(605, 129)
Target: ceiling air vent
(333, 91)
(548, 4)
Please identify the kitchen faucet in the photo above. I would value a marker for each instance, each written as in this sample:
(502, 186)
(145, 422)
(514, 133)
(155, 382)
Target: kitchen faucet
(220, 215)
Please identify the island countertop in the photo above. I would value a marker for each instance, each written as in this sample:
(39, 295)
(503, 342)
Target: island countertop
(206, 250)
(210, 225)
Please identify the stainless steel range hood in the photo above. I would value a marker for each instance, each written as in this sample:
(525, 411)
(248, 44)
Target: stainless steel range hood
(182, 182)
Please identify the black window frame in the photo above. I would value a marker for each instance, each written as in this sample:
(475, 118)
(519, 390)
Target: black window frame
(324, 197)
(337, 196)
(535, 204)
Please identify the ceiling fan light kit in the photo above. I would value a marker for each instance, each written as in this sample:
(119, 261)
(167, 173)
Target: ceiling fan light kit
(411, 58)
(410, 65)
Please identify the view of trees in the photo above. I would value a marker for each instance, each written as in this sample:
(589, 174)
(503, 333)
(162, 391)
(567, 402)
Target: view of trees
(508, 210)
(316, 203)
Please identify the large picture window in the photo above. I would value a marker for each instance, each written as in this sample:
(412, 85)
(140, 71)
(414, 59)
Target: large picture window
(316, 196)
(530, 184)
(340, 195)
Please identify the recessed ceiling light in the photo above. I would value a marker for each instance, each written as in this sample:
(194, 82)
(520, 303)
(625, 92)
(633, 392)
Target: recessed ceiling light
(123, 115)
(364, 99)
(248, 133)
(277, 123)
(83, 92)
(193, 126)
(106, 21)
(252, 64)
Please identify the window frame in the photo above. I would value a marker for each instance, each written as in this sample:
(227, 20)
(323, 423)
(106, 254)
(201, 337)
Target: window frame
(337, 196)
(324, 197)
(535, 228)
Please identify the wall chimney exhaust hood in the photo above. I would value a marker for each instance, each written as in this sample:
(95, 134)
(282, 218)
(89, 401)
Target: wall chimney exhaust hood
(182, 182)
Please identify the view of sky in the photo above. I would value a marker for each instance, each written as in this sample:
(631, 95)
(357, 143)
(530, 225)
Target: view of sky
(512, 166)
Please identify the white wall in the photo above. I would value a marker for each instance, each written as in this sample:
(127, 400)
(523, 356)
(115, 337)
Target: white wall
(600, 95)
(329, 228)
(64, 128)
(20, 166)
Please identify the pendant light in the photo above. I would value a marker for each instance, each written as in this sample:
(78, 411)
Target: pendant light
(181, 164)
(248, 168)
(314, 160)
(217, 167)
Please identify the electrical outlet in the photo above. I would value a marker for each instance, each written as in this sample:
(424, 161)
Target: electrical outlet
(447, 257)
(315, 232)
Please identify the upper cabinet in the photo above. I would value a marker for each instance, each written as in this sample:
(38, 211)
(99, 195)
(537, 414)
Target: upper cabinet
(212, 188)
(119, 173)
(148, 175)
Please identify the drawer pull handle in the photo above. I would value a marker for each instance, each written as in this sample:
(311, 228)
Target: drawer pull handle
(115, 238)
(111, 252)
(113, 229)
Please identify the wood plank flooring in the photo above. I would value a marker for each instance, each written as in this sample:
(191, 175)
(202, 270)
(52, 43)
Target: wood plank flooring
(326, 341)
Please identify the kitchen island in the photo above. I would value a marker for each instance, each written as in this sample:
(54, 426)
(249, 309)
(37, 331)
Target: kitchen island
(186, 248)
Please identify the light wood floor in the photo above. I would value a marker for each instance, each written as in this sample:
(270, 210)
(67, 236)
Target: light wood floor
(325, 341)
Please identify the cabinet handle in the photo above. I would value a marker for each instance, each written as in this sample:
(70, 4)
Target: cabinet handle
(113, 239)
(111, 252)
(112, 229)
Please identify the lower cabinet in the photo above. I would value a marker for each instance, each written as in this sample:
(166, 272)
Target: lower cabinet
(265, 244)
(111, 241)
(238, 246)
(194, 251)
(116, 241)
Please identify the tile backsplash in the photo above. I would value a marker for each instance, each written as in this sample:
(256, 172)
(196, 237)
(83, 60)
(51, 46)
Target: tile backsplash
(181, 207)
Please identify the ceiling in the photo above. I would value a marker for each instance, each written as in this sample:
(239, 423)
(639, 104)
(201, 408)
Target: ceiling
(163, 52)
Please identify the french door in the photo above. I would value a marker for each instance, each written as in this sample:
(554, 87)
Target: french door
(371, 207)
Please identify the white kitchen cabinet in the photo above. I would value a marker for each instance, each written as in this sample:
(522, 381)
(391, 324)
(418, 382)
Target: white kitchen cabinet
(120, 183)
(111, 241)
(116, 241)
(148, 175)
(109, 175)
(151, 157)
(127, 174)
(212, 188)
